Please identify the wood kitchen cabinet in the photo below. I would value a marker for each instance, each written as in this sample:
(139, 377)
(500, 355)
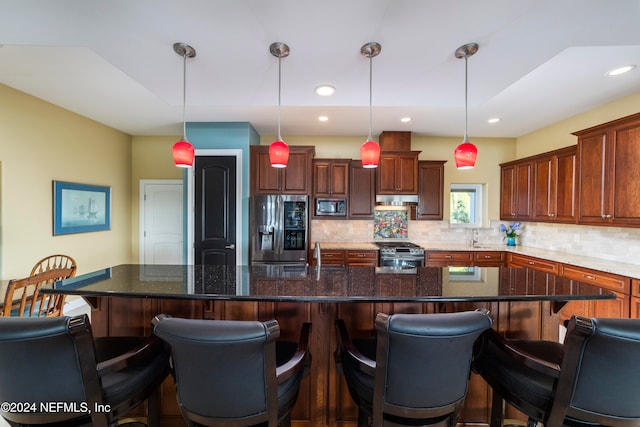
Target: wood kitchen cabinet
(554, 176)
(464, 258)
(362, 191)
(519, 260)
(331, 178)
(362, 258)
(397, 172)
(620, 285)
(448, 258)
(635, 299)
(515, 190)
(294, 179)
(430, 190)
(608, 173)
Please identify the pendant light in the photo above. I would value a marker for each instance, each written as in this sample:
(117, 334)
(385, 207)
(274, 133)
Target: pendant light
(465, 154)
(370, 150)
(183, 152)
(279, 150)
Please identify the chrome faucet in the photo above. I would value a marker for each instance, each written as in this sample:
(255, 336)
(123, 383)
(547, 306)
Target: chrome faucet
(474, 237)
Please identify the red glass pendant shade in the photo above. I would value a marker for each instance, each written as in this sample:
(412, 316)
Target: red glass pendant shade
(279, 154)
(370, 154)
(183, 154)
(465, 155)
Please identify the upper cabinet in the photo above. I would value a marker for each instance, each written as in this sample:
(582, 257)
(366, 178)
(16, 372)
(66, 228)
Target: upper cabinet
(608, 173)
(515, 190)
(331, 178)
(430, 190)
(397, 172)
(294, 179)
(554, 176)
(362, 196)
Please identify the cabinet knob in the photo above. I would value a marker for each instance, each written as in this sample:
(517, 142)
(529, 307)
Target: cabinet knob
(587, 276)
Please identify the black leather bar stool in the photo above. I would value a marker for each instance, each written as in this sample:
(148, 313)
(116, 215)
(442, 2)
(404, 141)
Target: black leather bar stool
(421, 368)
(592, 379)
(55, 360)
(234, 373)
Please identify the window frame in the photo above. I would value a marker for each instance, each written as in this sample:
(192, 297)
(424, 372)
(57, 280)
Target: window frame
(478, 205)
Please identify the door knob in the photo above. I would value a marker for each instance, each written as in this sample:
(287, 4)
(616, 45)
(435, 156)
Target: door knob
(231, 246)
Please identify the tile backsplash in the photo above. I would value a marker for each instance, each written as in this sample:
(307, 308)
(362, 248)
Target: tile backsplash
(606, 243)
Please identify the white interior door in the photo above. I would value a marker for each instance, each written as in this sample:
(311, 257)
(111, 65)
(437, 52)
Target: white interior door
(161, 222)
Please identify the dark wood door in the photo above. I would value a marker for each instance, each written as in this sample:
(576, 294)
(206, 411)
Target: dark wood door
(331, 178)
(215, 210)
(507, 190)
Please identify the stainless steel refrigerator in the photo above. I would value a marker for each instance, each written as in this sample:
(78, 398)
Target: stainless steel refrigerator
(279, 229)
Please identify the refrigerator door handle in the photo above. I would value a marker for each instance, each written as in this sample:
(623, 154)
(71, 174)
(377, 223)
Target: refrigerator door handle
(280, 224)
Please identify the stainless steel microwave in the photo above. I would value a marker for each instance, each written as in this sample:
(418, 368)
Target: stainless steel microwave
(331, 207)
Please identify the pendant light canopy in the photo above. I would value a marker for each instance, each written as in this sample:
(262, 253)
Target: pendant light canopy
(370, 150)
(279, 150)
(466, 153)
(183, 152)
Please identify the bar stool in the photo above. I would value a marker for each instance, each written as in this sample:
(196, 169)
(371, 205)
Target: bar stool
(420, 371)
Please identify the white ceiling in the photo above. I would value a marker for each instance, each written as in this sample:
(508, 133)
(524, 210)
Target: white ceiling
(539, 61)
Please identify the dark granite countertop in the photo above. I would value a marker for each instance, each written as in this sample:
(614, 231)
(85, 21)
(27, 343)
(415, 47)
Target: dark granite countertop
(325, 284)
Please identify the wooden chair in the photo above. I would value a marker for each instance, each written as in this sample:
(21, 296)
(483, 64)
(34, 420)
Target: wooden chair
(23, 297)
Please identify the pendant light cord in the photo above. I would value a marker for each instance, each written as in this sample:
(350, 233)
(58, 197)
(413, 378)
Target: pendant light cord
(279, 94)
(370, 97)
(466, 138)
(184, 96)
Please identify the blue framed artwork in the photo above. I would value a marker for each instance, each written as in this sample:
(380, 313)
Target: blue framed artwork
(80, 208)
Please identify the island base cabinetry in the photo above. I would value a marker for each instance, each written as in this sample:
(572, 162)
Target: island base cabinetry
(324, 398)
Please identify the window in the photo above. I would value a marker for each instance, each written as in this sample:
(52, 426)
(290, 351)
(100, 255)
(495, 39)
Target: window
(465, 207)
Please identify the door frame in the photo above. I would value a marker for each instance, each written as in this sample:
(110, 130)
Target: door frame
(237, 153)
(142, 210)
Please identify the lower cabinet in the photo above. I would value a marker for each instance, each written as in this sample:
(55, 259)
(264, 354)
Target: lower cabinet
(635, 299)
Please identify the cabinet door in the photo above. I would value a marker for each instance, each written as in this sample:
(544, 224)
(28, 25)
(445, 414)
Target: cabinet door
(398, 173)
(330, 178)
(625, 142)
(543, 189)
(362, 185)
(593, 178)
(565, 186)
(554, 187)
(523, 190)
(407, 173)
(386, 180)
(430, 190)
(515, 194)
(297, 175)
(264, 178)
(507, 192)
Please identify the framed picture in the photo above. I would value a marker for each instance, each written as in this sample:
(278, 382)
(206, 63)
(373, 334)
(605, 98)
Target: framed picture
(80, 208)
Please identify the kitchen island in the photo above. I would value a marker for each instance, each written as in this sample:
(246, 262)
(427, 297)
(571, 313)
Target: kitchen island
(523, 302)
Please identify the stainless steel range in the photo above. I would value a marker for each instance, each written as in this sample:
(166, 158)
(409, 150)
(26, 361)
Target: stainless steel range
(400, 254)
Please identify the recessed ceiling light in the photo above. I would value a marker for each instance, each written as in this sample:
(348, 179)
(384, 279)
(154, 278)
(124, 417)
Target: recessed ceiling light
(325, 90)
(621, 70)
(405, 119)
(323, 118)
(493, 120)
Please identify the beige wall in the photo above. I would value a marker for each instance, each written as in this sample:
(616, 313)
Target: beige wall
(39, 143)
(151, 159)
(559, 134)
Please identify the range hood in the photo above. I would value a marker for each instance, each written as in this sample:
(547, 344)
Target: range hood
(396, 199)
